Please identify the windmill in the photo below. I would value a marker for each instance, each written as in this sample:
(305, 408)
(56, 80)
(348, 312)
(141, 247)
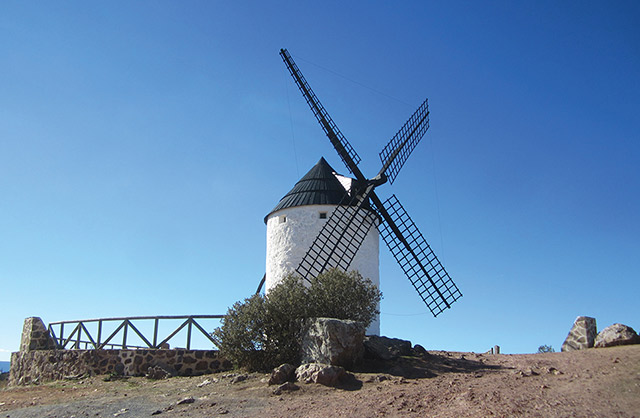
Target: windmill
(359, 211)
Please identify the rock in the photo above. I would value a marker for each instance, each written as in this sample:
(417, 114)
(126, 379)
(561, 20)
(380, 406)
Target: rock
(239, 378)
(204, 383)
(305, 372)
(582, 334)
(385, 348)
(186, 401)
(528, 373)
(616, 334)
(119, 369)
(160, 371)
(283, 373)
(377, 379)
(330, 376)
(419, 351)
(285, 387)
(333, 341)
(324, 374)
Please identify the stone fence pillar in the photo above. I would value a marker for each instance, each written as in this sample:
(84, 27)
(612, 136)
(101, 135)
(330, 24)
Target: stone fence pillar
(35, 336)
(582, 334)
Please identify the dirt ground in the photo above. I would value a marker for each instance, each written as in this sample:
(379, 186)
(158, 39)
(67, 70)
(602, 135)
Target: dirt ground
(589, 383)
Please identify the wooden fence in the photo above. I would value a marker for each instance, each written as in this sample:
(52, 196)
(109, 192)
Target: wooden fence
(80, 336)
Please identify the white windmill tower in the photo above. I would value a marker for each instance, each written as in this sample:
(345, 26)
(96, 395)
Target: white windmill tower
(329, 221)
(299, 217)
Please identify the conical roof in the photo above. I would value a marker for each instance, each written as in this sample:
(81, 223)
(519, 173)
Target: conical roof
(318, 187)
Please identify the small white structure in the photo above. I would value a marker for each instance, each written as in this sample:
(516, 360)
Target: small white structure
(297, 219)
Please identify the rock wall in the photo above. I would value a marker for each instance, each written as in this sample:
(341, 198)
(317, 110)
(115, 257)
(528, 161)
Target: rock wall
(46, 365)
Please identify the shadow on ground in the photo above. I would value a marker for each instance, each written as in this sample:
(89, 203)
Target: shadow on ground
(350, 382)
(427, 366)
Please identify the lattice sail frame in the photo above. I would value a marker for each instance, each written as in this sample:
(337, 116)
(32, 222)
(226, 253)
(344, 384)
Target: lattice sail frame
(338, 241)
(340, 143)
(417, 259)
(395, 153)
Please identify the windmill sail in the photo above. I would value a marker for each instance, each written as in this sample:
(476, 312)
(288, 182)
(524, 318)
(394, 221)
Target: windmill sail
(346, 152)
(417, 259)
(338, 241)
(394, 155)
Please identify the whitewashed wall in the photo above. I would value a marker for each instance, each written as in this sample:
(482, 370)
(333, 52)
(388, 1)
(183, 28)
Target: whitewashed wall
(287, 243)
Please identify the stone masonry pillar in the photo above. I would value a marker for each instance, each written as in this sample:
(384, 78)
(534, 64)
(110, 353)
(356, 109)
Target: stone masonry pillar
(35, 336)
(582, 334)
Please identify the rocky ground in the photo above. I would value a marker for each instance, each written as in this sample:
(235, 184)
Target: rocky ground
(589, 383)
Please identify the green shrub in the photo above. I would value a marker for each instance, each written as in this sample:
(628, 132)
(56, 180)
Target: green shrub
(546, 349)
(336, 294)
(243, 326)
(263, 332)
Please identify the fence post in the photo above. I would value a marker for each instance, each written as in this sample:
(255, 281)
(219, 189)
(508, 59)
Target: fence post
(189, 326)
(78, 336)
(124, 334)
(155, 333)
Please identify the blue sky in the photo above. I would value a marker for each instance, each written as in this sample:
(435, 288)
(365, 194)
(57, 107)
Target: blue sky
(141, 145)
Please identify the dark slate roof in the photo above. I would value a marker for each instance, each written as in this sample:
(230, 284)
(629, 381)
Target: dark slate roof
(318, 187)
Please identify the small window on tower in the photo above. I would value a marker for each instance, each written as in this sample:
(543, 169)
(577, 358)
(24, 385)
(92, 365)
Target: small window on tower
(283, 219)
(323, 215)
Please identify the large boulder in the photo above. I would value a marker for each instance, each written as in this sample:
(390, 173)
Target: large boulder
(385, 348)
(324, 374)
(333, 341)
(582, 334)
(616, 334)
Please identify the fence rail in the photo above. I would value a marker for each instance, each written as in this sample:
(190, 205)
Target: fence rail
(81, 338)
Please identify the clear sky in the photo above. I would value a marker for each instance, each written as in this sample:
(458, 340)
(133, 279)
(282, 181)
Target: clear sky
(142, 143)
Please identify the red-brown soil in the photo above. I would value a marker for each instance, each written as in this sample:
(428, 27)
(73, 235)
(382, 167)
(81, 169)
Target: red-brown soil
(589, 383)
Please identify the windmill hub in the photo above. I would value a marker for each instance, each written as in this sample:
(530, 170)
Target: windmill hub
(379, 180)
